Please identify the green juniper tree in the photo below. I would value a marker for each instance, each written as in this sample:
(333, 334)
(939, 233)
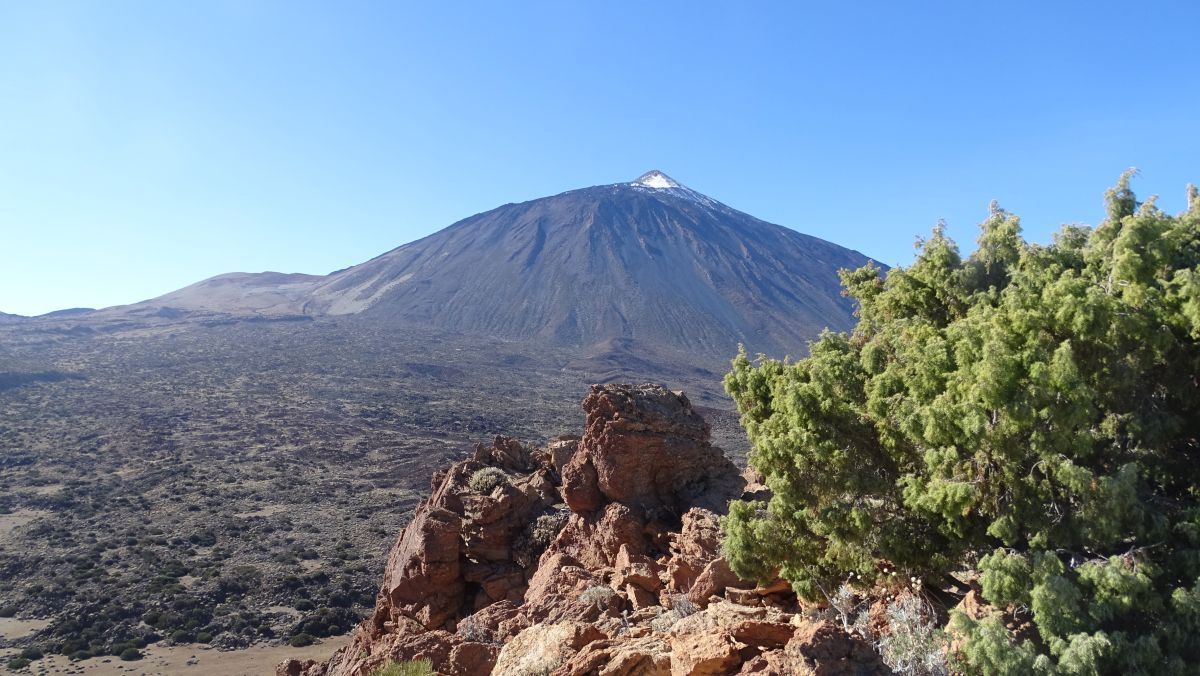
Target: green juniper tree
(1032, 411)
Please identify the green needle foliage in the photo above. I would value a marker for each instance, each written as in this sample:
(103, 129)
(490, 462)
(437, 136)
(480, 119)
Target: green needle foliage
(1031, 411)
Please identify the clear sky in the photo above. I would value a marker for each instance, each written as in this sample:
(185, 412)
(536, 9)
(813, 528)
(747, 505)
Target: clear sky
(148, 145)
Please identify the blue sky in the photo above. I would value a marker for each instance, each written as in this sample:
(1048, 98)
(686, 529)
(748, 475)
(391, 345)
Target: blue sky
(147, 145)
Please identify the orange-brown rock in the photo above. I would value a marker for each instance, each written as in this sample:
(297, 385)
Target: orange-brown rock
(645, 491)
(974, 606)
(486, 625)
(561, 451)
(543, 648)
(627, 656)
(580, 484)
(636, 569)
(423, 578)
(693, 548)
(767, 664)
(295, 667)
(825, 649)
(713, 581)
(766, 635)
(708, 653)
(649, 448)
(559, 573)
(639, 598)
(594, 539)
(469, 659)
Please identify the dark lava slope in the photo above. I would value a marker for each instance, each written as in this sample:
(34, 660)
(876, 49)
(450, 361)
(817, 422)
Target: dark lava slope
(648, 263)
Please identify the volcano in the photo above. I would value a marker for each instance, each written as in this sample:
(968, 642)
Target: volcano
(644, 265)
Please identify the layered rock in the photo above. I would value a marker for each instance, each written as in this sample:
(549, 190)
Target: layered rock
(597, 555)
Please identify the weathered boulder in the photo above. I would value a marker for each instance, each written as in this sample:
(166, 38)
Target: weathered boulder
(462, 538)
(423, 578)
(580, 484)
(543, 647)
(649, 449)
(595, 538)
(561, 451)
(766, 664)
(713, 580)
(825, 649)
(638, 570)
(486, 624)
(470, 659)
(708, 653)
(627, 656)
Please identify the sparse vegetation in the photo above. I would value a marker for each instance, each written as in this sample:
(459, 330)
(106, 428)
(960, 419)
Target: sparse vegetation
(256, 486)
(914, 644)
(412, 668)
(487, 479)
(537, 537)
(599, 595)
(681, 606)
(130, 655)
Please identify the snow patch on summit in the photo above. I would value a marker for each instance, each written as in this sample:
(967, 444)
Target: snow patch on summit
(656, 179)
(653, 181)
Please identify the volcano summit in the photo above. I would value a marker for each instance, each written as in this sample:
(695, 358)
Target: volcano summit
(649, 263)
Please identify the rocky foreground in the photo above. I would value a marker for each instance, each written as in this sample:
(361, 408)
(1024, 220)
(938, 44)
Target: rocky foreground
(597, 555)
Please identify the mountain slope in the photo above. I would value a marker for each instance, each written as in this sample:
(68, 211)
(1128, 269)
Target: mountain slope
(650, 261)
(627, 269)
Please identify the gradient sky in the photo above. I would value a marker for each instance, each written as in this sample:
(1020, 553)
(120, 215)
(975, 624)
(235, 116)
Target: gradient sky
(148, 145)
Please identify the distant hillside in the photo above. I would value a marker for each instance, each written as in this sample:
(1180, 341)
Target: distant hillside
(619, 269)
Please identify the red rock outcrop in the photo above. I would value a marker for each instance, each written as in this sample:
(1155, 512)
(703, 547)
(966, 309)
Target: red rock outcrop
(492, 576)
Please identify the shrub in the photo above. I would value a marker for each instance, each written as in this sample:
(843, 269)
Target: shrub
(475, 631)
(131, 655)
(599, 596)
(413, 668)
(1033, 405)
(18, 663)
(32, 654)
(914, 644)
(665, 619)
(487, 480)
(8, 611)
(300, 640)
(537, 536)
(682, 604)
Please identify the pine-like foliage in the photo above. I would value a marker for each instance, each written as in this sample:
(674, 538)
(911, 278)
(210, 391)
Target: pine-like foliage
(1031, 411)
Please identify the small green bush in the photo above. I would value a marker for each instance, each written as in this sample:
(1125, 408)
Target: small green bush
(18, 663)
(300, 640)
(131, 655)
(487, 480)
(32, 654)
